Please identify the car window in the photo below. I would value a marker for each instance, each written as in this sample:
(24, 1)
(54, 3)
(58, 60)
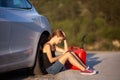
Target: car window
(22, 4)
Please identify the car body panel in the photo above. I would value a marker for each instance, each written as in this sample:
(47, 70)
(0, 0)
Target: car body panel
(4, 40)
(20, 31)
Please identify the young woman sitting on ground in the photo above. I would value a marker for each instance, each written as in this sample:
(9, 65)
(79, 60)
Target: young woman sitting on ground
(55, 64)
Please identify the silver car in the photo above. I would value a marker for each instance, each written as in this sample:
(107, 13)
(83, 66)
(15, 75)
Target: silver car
(22, 34)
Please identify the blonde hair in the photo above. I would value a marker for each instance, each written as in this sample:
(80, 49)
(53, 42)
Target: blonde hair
(58, 33)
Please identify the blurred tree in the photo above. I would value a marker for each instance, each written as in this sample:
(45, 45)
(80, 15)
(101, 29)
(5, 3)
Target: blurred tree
(99, 19)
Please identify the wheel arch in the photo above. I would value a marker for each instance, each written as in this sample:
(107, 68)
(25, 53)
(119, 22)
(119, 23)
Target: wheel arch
(42, 40)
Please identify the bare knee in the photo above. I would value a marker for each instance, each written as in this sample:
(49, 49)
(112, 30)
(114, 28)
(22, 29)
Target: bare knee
(68, 54)
(65, 57)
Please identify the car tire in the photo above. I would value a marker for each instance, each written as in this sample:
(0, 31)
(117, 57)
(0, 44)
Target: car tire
(39, 68)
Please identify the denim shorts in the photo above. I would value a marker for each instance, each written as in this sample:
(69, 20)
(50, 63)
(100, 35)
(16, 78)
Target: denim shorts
(55, 68)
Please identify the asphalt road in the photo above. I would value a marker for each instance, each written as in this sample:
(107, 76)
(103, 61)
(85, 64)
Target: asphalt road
(106, 63)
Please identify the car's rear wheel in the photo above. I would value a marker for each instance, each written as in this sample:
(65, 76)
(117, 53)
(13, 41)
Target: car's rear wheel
(39, 68)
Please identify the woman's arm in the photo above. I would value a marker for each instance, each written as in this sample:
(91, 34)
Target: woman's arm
(63, 50)
(65, 45)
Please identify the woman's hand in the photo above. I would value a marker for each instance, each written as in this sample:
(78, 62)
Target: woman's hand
(64, 35)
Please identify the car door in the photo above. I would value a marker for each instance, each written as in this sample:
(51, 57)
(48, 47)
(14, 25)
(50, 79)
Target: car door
(21, 36)
(15, 38)
(4, 37)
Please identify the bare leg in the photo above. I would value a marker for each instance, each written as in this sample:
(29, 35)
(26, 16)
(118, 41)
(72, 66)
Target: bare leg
(68, 56)
(78, 59)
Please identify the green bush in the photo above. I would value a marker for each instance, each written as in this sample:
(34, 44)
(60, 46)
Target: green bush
(97, 19)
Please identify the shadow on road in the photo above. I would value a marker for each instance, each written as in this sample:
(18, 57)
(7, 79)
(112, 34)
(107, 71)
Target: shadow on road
(15, 75)
(92, 60)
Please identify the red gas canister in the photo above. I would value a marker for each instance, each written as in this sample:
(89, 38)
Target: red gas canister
(81, 55)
